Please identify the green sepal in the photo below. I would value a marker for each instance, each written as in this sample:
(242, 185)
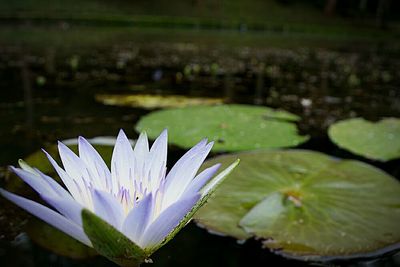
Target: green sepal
(111, 243)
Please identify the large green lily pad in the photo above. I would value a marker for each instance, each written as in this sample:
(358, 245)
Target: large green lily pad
(306, 204)
(232, 127)
(155, 101)
(374, 140)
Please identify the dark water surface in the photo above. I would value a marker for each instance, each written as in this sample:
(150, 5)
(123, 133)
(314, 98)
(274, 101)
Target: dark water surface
(48, 93)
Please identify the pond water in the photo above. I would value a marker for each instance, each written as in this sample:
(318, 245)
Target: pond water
(48, 90)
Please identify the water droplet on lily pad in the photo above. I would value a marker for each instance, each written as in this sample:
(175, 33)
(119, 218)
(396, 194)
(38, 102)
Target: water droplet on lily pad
(232, 127)
(374, 140)
(331, 209)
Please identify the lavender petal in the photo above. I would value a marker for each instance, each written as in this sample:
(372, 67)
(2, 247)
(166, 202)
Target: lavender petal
(51, 217)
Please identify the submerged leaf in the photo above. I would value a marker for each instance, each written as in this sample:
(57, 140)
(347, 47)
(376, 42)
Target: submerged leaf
(374, 140)
(306, 204)
(232, 127)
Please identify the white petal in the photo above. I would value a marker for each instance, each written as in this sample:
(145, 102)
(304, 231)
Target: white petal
(138, 218)
(167, 221)
(94, 163)
(51, 217)
(72, 187)
(73, 165)
(35, 181)
(200, 180)
(56, 186)
(122, 163)
(185, 158)
(107, 207)
(141, 152)
(58, 189)
(157, 159)
(67, 207)
(77, 170)
(184, 171)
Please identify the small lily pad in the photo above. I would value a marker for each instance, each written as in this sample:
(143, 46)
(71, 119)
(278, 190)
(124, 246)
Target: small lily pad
(232, 127)
(306, 204)
(155, 101)
(374, 140)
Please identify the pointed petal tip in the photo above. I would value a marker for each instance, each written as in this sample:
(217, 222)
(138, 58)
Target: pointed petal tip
(122, 137)
(121, 133)
(210, 187)
(211, 144)
(17, 171)
(12, 168)
(200, 144)
(164, 132)
(163, 136)
(83, 143)
(2, 191)
(203, 141)
(61, 145)
(47, 154)
(143, 134)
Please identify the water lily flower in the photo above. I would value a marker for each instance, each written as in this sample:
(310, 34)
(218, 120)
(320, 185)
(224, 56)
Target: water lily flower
(137, 199)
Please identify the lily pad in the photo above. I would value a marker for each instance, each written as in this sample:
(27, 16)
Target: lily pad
(374, 140)
(306, 204)
(155, 101)
(232, 127)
